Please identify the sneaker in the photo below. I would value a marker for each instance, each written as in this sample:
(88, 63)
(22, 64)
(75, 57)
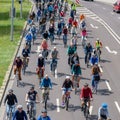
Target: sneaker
(63, 103)
(81, 108)
(27, 111)
(42, 101)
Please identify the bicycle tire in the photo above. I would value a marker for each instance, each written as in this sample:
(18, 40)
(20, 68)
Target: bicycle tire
(45, 100)
(67, 103)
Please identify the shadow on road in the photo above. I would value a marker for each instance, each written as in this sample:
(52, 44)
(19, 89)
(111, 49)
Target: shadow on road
(104, 61)
(104, 92)
(63, 74)
(93, 117)
(30, 73)
(83, 78)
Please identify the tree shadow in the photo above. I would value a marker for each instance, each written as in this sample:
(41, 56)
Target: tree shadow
(62, 74)
(93, 117)
(83, 78)
(4, 15)
(30, 73)
(104, 92)
(104, 61)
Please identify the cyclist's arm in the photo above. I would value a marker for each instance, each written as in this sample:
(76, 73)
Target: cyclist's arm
(37, 97)
(5, 99)
(50, 83)
(82, 94)
(14, 116)
(25, 116)
(99, 113)
(26, 97)
(15, 99)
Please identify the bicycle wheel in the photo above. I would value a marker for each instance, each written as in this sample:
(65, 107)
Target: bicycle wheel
(45, 100)
(67, 103)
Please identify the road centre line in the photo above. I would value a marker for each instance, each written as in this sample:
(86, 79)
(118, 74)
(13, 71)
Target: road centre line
(58, 104)
(56, 73)
(118, 107)
(90, 110)
(109, 88)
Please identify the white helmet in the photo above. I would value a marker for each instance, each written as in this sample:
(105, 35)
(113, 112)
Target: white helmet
(19, 107)
(67, 77)
(40, 55)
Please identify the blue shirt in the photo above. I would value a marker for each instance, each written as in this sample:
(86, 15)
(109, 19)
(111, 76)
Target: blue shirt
(20, 115)
(43, 118)
(46, 83)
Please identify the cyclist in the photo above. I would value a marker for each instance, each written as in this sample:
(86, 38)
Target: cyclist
(103, 112)
(28, 39)
(88, 50)
(74, 59)
(46, 84)
(59, 27)
(70, 51)
(44, 48)
(11, 100)
(44, 115)
(45, 35)
(73, 31)
(73, 7)
(86, 93)
(54, 56)
(66, 87)
(82, 25)
(40, 66)
(75, 23)
(74, 41)
(98, 45)
(17, 67)
(93, 59)
(70, 23)
(31, 97)
(95, 76)
(76, 71)
(65, 33)
(82, 17)
(25, 53)
(20, 114)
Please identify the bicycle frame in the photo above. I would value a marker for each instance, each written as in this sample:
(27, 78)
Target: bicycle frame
(24, 64)
(46, 94)
(76, 82)
(10, 113)
(85, 108)
(67, 100)
(98, 52)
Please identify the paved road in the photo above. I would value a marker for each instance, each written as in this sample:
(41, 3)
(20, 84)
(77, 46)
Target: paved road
(109, 65)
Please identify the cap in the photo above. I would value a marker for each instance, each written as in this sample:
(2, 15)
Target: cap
(67, 77)
(98, 39)
(40, 55)
(54, 47)
(44, 111)
(18, 56)
(32, 87)
(86, 84)
(10, 90)
(46, 75)
(19, 107)
(104, 105)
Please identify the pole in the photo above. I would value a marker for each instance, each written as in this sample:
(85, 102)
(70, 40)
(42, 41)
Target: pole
(21, 10)
(12, 21)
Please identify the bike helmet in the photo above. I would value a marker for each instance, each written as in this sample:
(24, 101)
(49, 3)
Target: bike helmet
(32, 87)
(86, 84)
(10, 90)
(104, 105)
(44, 111)
(40, 55)
(67, 77)
(97, 39)
(19, 107)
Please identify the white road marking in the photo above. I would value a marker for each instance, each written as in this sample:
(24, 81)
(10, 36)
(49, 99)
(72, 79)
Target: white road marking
(114, 52)
(58, 105)
(56, 73)
(90, 110)
(109, 88)
(101, 70)
(118, 107)
(38, 50)
(96, 27)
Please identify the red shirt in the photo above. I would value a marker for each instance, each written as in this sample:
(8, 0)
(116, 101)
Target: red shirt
(86, 93)
(75, 23)
(70, 20)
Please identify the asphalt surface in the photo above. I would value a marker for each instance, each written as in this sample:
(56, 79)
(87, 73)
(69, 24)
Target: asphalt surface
(108, 87)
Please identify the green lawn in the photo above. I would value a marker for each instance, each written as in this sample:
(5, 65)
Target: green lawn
(7, 48)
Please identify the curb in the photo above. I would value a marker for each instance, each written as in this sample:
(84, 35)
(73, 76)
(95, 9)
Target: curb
(10, 68)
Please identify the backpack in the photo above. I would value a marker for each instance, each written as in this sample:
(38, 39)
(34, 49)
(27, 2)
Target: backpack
(41, 118)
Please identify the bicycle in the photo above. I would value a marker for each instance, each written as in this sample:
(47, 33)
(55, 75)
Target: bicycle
(32, 111)
(46, 96)
(88, 59)
(24, 65)
(54, 66)
(98, 53)
(76, 83)
(40, 74)
(86, 108)
(10, 114)
(83, 39)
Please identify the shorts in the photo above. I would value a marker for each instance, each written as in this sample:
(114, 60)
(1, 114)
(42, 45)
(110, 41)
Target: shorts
(66, 90)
